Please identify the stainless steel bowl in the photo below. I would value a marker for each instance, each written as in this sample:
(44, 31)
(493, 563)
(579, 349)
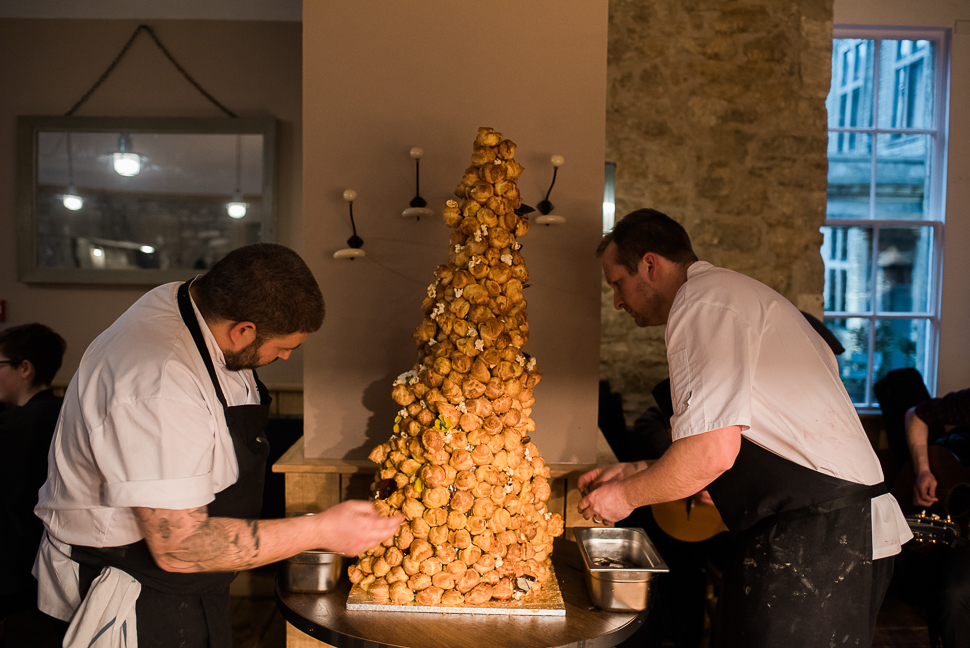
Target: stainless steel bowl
(621, 565)
(311, 571)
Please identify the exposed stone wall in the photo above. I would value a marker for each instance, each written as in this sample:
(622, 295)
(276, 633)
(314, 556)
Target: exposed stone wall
(716, 116)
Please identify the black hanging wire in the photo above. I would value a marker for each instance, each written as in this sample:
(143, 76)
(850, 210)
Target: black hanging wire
(168, 55)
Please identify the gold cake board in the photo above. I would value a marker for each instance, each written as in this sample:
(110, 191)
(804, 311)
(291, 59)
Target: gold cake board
(546, 602)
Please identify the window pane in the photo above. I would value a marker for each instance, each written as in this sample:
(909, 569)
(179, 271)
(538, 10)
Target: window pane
(900, 343)
(902, 176)
(847, 253)
(853, 333)
(905, 264)
(849, 175)
(849, 102)
(906, 84)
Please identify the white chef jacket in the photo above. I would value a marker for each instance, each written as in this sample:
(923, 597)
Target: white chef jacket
(741, 354)
(141, 425)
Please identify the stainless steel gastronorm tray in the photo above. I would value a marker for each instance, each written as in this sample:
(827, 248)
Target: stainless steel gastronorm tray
(620, 566)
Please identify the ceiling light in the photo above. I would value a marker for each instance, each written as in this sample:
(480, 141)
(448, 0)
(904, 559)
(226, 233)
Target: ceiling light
(71, 198)
(125, 161)
(72, 201)
(237, 208)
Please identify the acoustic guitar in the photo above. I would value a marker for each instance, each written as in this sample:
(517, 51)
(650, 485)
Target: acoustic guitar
(931, 532)
(689, 519)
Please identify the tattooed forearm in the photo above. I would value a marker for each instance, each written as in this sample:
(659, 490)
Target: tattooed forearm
(190, 541)
(207, 543)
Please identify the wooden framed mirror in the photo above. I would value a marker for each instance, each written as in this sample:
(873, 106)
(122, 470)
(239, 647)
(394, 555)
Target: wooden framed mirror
(140, 200)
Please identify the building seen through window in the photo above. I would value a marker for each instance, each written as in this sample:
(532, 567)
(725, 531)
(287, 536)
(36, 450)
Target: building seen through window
(884, 215)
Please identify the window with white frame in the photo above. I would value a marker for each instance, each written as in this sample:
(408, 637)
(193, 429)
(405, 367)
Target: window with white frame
(883, 233)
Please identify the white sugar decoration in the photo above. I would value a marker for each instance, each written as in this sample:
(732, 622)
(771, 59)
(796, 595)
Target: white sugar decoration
(478, 235)
(484, 229)
(457, 248)
(531, 365)
(520, 359)
(406, 378)
(403, 413)
(507, 258)
(472, 332)
(461, 407)
(458, 292)
(431, 291)
(432, 342)
(479, 345)
(516, 246)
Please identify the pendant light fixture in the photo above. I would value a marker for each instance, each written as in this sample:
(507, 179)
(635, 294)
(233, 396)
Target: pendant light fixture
(125, 161)
(71, 198)
(237, 207)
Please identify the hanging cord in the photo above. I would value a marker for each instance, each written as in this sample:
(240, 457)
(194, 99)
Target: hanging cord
(167, 54)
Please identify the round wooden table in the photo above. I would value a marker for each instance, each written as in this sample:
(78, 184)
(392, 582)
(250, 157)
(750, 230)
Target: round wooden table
(325, 617)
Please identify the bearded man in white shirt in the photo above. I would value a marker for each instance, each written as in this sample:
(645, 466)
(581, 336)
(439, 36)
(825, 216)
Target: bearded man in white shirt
(762, 422)
(156, 470)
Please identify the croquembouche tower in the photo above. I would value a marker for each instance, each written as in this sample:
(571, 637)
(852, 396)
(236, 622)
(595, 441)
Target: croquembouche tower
(461, 466)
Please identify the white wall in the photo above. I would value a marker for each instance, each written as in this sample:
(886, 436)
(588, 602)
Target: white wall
(954, 354)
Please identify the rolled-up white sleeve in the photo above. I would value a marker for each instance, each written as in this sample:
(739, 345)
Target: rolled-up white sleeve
(156, 453)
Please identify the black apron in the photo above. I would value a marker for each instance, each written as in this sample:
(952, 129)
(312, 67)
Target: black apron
(802, 573)
(192, 610)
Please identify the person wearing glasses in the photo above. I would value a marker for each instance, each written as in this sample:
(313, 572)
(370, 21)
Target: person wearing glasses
(30, 356)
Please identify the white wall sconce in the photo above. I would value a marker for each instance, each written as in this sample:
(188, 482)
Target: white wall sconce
(237, 207)
(125, 161)
(354, 242)
(545, 207)
(418, 207)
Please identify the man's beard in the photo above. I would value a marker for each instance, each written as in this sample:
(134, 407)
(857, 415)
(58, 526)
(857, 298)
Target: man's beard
(246, 358)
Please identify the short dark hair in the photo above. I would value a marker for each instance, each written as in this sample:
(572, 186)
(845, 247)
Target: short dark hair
(267, 284)
(648, 230)
(37, 343)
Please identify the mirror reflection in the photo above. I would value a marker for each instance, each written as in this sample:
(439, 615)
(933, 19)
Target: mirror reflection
(116, 198)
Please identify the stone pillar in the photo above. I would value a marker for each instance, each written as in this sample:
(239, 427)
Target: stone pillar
(716, 116)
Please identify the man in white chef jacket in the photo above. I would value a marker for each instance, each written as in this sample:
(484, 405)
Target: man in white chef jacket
(762, 421)
(157, 464)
